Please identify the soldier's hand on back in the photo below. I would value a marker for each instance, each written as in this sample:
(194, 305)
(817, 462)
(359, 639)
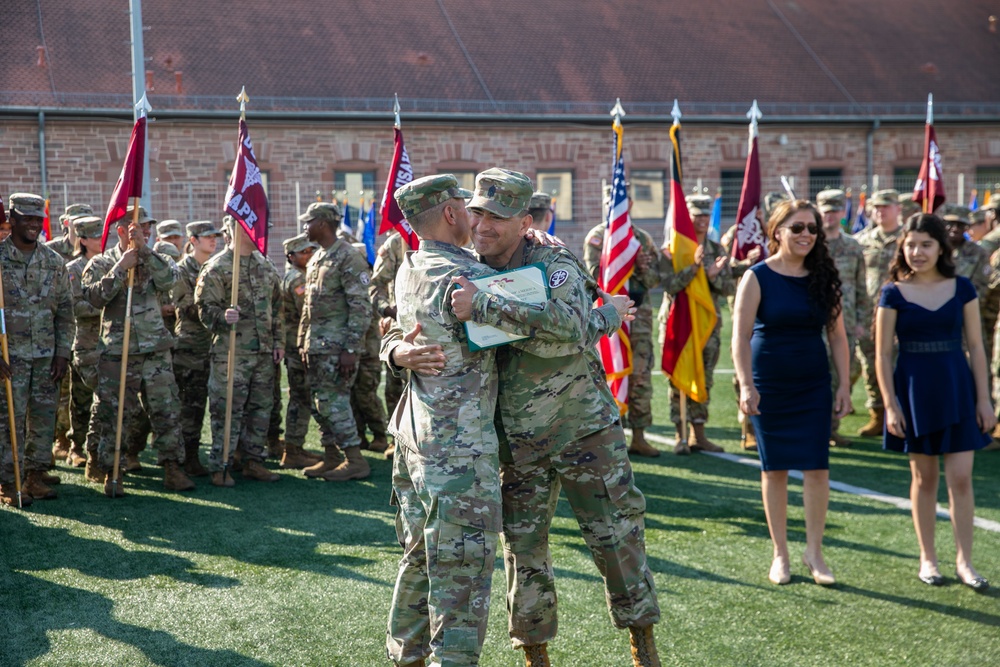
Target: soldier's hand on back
(421, 359)
(461, 298)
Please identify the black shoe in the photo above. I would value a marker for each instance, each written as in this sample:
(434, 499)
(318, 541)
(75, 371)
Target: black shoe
(978, 584)
(932, 579)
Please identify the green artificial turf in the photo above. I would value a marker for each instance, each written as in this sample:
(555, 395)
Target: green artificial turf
(300, 572)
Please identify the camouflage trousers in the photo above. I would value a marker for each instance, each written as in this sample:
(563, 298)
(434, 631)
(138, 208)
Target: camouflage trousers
(274, 429)
(149, 386)
(300, 405)
(253, 394)
(393, 390)
(640, 382)
(866, 352)
(331, 396)
(447, 521)
(192, 370)
(83, 384)
(35, 399)
(368, 411)
(697, 413)
(63, 419)
(597, 477)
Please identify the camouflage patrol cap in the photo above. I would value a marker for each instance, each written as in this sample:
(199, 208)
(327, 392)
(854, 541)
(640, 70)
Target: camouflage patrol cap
(73, 210)
(884, 198)
(977, 217)
(699, 204)
(167, 248)
(25, 203)
(993, 204)
(168, 228)
(202, 228)
(540, 200)
(772, 199)
(502, 192)
(831, 200)
(298, 244)
(908, 206)
(423, 194)
(321, 210)
(88, 226)
(955, 213)
(143, 216)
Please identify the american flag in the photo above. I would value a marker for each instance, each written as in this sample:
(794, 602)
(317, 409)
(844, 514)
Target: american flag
(617, 262)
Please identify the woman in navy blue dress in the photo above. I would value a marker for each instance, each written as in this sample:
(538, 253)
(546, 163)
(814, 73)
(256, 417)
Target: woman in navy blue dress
(935, 404)
(783, 306)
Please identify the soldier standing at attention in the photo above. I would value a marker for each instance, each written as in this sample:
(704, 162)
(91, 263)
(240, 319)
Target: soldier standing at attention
(336, 315)
(878, 243)
(445, 477)
(855, 304)
(149, 372)
(388, 259)
(65, 243)
(991, 209)
(298, 251)
(971, 261)
(86, 357)
(40, 330)
(260, 346)
(644, 278)
(171, 231)
(714, 258)
(194, 342)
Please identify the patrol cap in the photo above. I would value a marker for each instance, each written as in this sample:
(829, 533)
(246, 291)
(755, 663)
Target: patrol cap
(884, 198)
(909, 207)
(73, 210)
(699, 204)
(423, 194)
(202, 228)
(25, 203)
(169, 228)
(502, 192)
(772, 199)
(88, 226)
(993, 203)
(955, 213)
(321, 210)
(831, 200)
(167, 248)
(977, 217)
(143, 216)
(540, 200)
(298, 244)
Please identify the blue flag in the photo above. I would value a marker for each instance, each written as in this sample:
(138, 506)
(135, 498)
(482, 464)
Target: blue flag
(346, 221)
(715, 225)
(552, 225)
(368, 234)
(861, 222)
(974, 200)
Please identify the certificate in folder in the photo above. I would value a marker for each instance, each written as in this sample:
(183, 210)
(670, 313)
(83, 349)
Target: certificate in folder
(526, 284)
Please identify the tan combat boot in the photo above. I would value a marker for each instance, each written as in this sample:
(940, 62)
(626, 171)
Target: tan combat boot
(8, 496)
(643, 647)
(874, 426)
(275, 448)
(221, 478)
(750, 443)
(536, 655)
(295, 458)
(35, 486)
(640, 447)
(700, 441)
(61, 449)
(174, 478)
(77, 457)
(132, 463)
(192, 464)
(255, 470)
(378, 444)
(334, 457)
(415, 663)
(112, 490)
(51, 480)
(836, 439)
(680, 446)
(93, 471)
(389, 451)
(355, 467)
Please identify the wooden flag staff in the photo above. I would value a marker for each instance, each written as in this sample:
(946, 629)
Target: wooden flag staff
(124, 366)
(8, 383)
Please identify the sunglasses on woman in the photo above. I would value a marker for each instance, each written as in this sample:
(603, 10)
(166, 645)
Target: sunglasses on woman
(799, 227)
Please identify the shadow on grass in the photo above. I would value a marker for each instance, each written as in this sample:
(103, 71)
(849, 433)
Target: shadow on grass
(963, 613)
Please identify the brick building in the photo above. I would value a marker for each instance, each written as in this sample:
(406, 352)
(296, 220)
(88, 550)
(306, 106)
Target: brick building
(527, 86)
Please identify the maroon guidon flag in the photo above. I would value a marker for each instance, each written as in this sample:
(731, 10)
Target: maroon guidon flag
(400, 173)
(749, 234)
(129, 181)
(246, 200)
(929, 188)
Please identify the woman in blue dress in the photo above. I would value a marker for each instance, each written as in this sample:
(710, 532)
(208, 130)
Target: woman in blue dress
(935, 404)
(783, 306)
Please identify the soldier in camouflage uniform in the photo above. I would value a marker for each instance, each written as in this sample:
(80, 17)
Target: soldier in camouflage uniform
(298, 251)
(856, 307)
(991, 209)
(971, 260)
(445, 478)
(878, 243)
(194, 342)
(260, 346)
(715, 260)
(645, 277)
(65, 243)
(171, 232)
(39, 320)
(336, 315)
(86, 357)
(149, 372)
(388, 259)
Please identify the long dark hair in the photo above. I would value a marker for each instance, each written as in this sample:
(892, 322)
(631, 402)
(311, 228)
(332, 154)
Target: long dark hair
(824, 280)
(934, 227)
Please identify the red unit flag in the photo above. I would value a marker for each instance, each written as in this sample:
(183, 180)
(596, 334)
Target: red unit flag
(246, 199)
(129, 181)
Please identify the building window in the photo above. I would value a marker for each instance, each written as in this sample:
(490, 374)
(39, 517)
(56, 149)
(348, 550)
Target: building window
(466, 179)
(559, 184)
(824, 179)
(731, 182)
(648, 194)
(351, 187)
(904, 178)
(987, 178)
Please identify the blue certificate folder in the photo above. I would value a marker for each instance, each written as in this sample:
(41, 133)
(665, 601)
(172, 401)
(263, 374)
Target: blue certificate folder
(527, 284)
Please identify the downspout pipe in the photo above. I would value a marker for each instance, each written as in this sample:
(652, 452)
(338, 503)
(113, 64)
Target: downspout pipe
(43, 167)
(870, 152)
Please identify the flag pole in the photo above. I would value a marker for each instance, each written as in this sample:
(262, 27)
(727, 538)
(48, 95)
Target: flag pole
(8, 383)
(930, 121)
(682, 432)
(234, 298)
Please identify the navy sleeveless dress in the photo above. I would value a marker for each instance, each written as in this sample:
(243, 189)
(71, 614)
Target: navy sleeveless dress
(933, 380)
(792, 374)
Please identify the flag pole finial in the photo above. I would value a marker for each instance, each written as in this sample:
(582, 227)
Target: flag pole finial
(676, 113)
(142, 106)
(930, 108)
(395, 110)
(617, 112)
(754, 115)
(242, 98)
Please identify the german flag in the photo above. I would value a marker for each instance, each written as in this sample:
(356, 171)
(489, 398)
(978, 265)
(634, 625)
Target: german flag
(692, 313)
